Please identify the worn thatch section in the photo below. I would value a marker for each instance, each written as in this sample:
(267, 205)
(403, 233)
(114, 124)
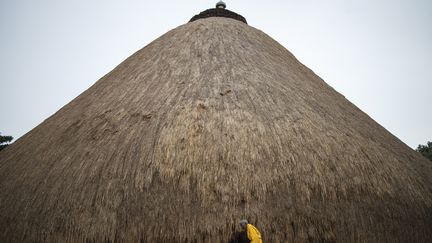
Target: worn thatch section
(218, 12)
(211, 123)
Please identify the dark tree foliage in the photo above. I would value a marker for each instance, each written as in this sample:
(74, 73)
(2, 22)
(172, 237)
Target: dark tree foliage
(425, 150)
(4, 141)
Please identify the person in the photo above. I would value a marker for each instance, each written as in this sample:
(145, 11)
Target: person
(253, 233)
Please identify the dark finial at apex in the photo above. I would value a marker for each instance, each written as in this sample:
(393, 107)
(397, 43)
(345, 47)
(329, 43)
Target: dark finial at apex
(219, 11)
(221, 4)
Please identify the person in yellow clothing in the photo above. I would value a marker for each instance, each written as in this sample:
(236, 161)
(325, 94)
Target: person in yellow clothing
(253, 233)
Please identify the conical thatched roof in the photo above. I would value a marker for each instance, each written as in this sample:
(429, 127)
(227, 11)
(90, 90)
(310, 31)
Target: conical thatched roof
(209, 124)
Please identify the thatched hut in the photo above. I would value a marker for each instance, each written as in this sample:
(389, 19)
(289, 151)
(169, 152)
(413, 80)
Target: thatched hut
(211, 123)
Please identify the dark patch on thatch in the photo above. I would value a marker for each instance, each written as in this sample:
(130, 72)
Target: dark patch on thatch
(225, 93)
(201, 106)
(218, 12)
(139, 157)
(239, 237)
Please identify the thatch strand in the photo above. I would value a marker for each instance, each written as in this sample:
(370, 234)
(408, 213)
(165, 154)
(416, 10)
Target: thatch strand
(212, 123)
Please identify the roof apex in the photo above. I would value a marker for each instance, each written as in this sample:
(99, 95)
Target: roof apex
(218, 12)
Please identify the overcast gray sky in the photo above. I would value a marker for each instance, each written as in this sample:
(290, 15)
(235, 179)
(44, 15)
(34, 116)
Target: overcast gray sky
(376, 53)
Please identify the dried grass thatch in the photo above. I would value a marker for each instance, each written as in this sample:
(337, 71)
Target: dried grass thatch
(211, 123)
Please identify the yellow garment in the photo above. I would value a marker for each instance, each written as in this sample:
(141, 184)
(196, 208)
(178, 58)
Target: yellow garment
(253, 234)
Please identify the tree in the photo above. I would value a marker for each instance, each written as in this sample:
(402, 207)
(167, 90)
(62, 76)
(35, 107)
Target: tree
(425, 150)
(4, 141)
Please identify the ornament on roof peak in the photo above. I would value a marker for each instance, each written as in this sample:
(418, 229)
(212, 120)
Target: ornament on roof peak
(221, 4)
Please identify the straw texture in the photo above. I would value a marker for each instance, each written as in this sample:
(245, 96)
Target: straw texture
(218, 12)
(212, 123)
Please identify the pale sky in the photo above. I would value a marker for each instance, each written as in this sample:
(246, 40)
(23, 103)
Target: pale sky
(378, 54)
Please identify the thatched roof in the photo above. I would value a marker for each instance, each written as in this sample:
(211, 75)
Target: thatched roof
(218, 12)
(211, 123)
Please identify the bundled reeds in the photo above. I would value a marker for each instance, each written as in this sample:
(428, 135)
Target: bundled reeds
(209, 124)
